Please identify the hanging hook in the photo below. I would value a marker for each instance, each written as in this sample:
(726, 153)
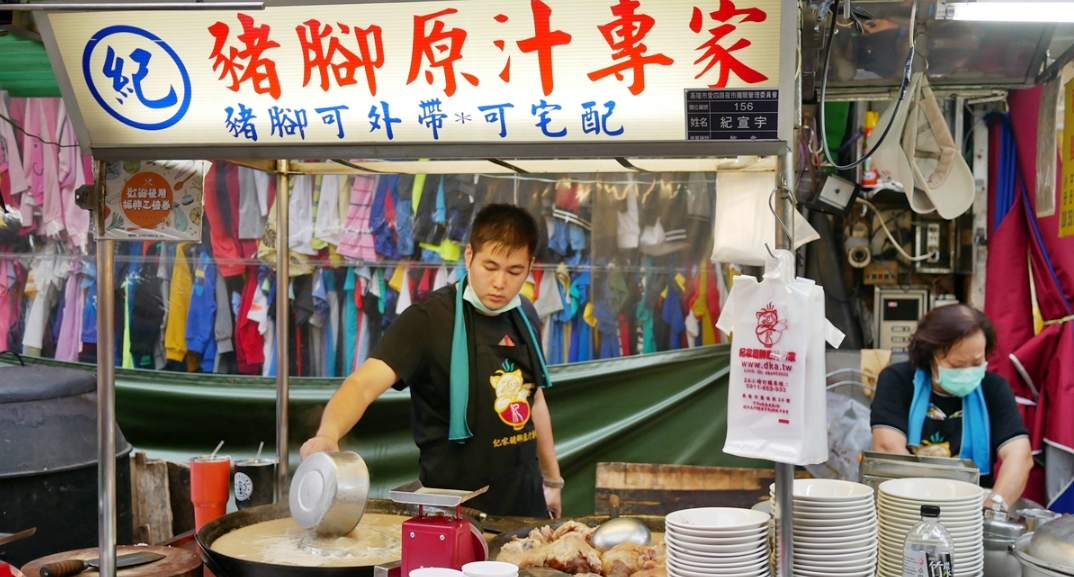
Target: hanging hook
(783, 225)
(769, 249)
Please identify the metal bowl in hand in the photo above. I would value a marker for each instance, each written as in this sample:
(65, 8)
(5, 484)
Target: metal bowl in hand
(329, 492)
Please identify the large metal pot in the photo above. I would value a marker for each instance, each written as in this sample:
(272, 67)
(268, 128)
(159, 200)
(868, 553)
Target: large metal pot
(226, 566)
(1000, 534)
(1048, 551)
(48, 462)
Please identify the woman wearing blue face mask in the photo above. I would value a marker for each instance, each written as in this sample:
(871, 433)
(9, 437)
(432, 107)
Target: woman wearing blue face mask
(943, 402)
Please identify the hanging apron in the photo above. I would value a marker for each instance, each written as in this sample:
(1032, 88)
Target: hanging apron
(502, 453)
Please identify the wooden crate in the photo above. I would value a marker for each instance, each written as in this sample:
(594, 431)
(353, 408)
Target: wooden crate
(151, 500)
(650, 489)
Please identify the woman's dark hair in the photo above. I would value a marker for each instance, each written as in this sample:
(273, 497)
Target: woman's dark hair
(944, 326)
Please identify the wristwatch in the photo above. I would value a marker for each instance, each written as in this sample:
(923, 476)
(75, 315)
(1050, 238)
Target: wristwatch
(554, 483)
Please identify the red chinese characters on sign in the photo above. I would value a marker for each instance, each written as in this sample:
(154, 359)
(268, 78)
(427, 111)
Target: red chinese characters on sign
(323, 52)
(625, 35)
(438, 47)
(727, 18)
(542, 42)
(248, 63)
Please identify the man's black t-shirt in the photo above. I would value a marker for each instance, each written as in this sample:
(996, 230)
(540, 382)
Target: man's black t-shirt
(417, 346)
(504, 369)
(941, 434)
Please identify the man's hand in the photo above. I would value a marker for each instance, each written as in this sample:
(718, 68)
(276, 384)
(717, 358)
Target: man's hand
(318, 444)
(553, 498)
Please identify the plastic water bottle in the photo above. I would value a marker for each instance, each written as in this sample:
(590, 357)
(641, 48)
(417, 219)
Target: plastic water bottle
(928, 549)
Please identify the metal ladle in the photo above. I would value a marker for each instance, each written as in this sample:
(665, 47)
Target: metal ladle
(621, 530)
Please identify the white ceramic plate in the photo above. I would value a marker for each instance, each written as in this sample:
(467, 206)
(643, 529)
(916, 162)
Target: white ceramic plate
(840, 548)
(710, 551)
(675, 571)
(713, 547)
(718, 519)
(960, 569)
(915, 508)
(821, 554)
(835, 532)
(833, 556)
(931, 490)
(970, 501)
(828, 490)
(688, 538)
(691, 558)
(827, 515)
(963, 556)
(840, 524)
(800, 508)
(836, 567)
(755, 533)
(819, 538)
(803, 572)
(711, 569)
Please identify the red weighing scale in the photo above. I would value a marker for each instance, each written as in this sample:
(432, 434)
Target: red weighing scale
(439, 536)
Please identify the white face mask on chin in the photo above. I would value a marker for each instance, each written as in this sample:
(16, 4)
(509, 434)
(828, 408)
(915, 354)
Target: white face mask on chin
(470, 295)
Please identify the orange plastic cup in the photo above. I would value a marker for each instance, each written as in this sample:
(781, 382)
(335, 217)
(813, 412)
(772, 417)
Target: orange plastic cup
(209, 488)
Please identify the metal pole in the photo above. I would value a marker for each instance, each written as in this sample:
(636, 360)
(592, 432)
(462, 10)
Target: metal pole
(124, 6)
(787, 175)
(283, 308)
(106, 393)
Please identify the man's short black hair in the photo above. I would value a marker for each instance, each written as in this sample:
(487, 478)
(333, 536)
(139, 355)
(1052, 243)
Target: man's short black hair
(505, 225)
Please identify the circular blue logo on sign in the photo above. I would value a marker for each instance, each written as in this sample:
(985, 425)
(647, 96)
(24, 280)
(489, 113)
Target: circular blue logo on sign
(136, 77)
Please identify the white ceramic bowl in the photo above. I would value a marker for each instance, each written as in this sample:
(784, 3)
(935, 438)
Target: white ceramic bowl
(718, 519)
(490, 569)
(931, 490)
(436, 572)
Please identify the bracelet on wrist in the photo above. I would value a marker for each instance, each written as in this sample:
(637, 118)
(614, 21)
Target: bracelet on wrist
(554, 483)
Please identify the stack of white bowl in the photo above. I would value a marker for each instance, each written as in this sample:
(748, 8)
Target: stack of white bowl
(960, 503)
(717, 542)
(835, 533)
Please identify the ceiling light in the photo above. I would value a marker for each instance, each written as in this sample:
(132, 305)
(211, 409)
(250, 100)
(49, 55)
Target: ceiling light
(1044, 12)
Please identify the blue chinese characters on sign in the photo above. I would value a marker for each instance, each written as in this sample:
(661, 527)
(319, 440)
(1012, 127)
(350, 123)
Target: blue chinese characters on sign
(136, 77)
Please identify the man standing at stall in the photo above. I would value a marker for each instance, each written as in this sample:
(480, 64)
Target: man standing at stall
(471, 356)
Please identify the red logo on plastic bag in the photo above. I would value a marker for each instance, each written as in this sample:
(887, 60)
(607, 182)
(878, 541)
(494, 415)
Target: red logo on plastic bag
(769, 326)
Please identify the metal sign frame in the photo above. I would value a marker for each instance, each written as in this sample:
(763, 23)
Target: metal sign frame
(789, 87)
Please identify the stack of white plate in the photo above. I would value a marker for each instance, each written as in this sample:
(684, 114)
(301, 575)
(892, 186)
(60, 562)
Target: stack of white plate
(717, 542)
(835, 531)
(900, 504)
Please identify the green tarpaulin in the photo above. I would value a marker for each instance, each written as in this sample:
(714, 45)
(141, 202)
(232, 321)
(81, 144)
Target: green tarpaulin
(659, 408)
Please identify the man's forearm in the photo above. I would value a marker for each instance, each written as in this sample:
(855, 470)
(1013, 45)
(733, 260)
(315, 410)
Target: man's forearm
(345, 409)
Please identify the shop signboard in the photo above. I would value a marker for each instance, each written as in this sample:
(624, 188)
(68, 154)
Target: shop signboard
(150, 200)
(428, 73)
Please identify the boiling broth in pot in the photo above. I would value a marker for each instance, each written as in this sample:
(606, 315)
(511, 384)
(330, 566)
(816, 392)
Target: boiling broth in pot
(376, 540)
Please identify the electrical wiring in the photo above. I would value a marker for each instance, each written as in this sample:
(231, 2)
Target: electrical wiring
(891, 237)
(903, 86)
(18, 128)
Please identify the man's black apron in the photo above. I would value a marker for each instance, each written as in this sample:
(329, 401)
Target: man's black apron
(503, 450)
